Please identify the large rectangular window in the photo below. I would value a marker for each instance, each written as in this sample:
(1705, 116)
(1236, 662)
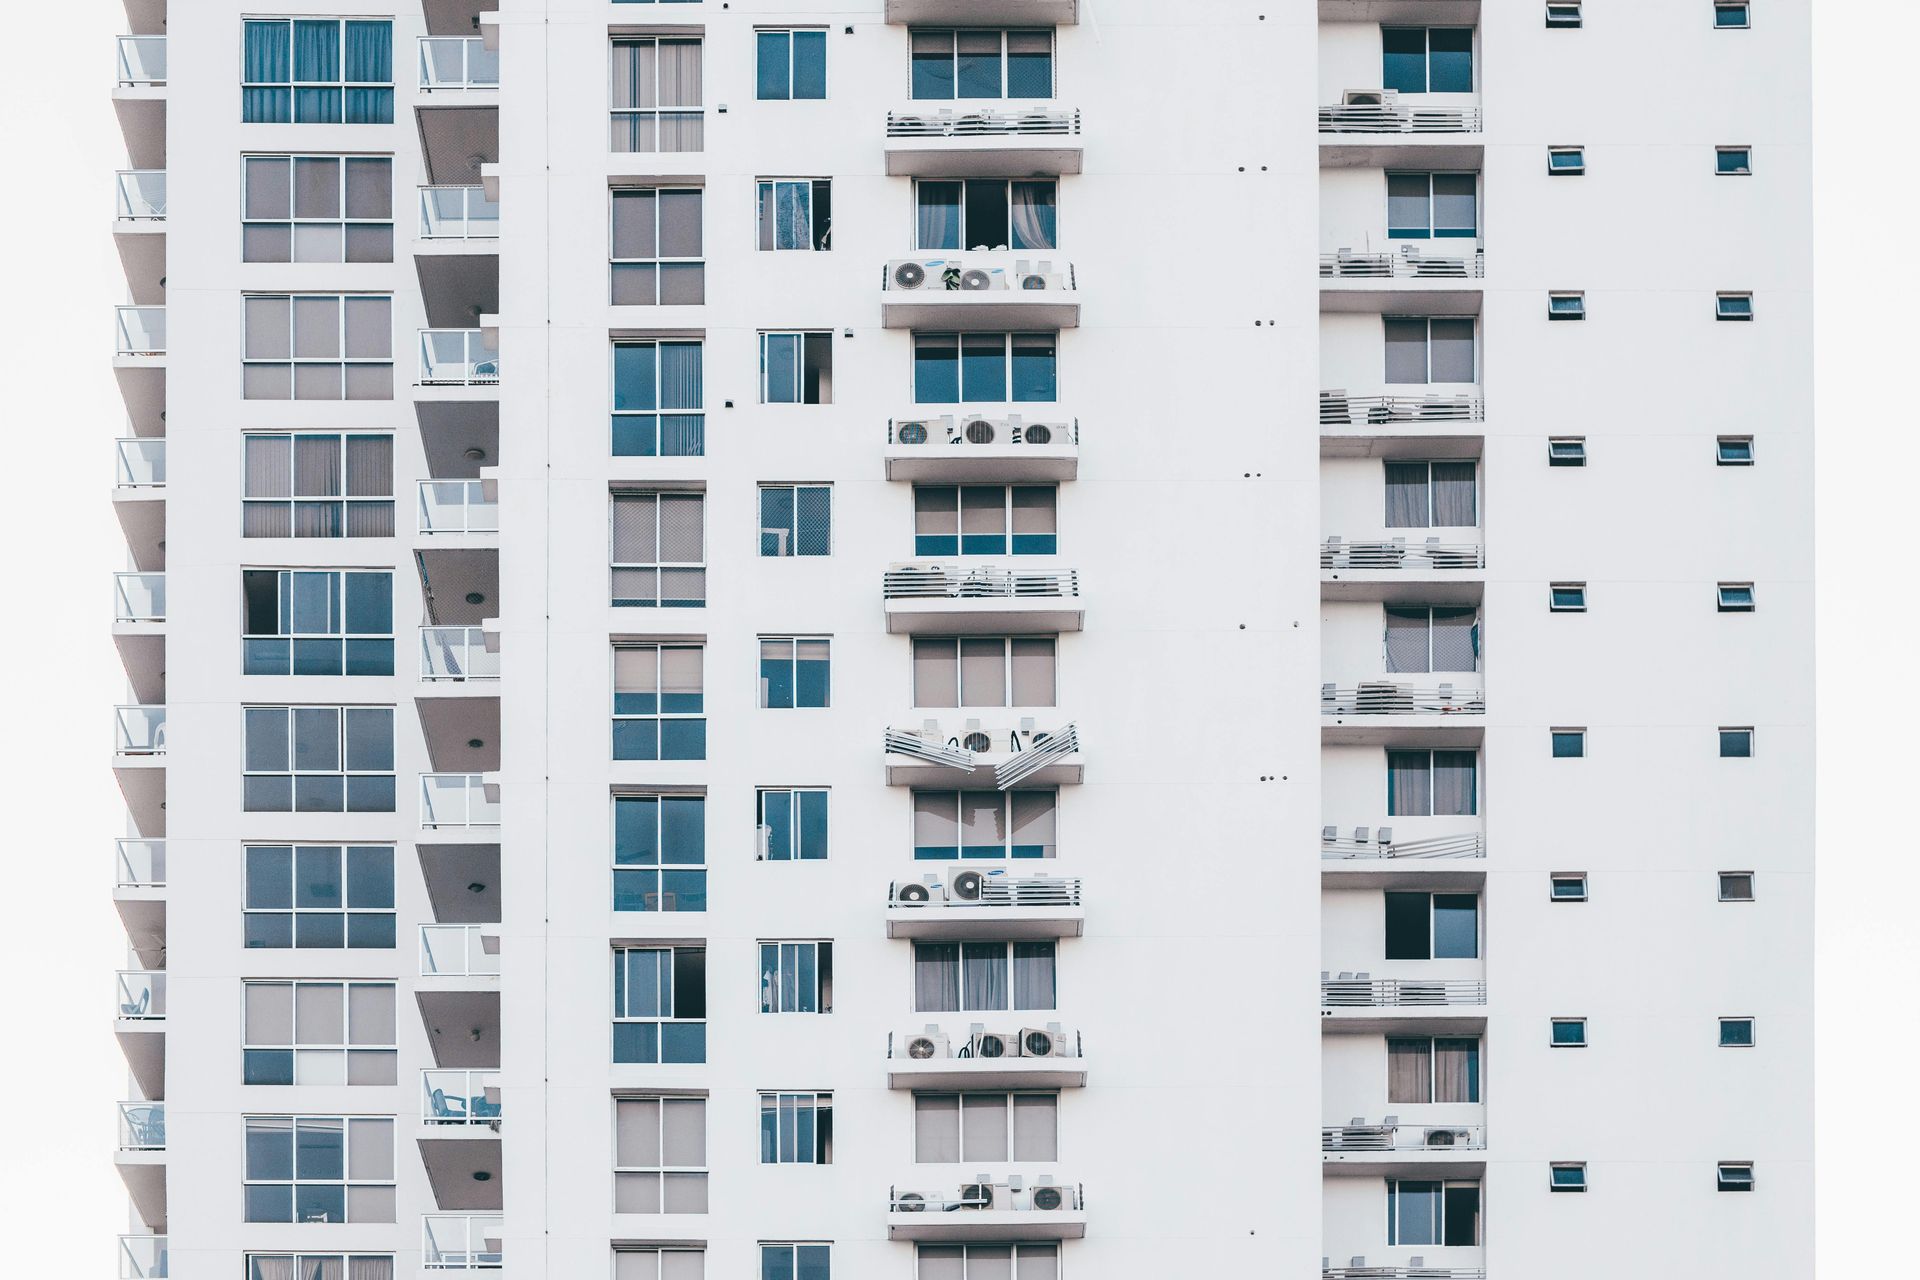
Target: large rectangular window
(796, 1262)
(1432, 495)
(317, 485)
(1432, 926)
(1427, 59)
(660, 853)
(659, 1263)
(319, 760)
(1432, 638)
(319, 895)
(792, 823)
(983, 671)
(796, 977)
(985, 1128)
(657, 247)
(659, 1155)
(317, 622)
(795, 671)
(986, 520)
(977, 63)
(659, 550)
(319, 1266)
(796, 519)
(316, 71)
(1430, 349)
(317, 209)
(1442, 1214)
(954, 977)
(1432, 784)
(983, 824)
(658, 400)
(659, 702)
(796, 1128)
(656, 95)
(795, 213)
(659, 1004)
(987, 213)
(987, 1261)
(790, 65)
(985, 368)
(318, 347)
(1433, 206)
(796, 368)
(319, 1033)
(1424, 1069)
(319, 1169)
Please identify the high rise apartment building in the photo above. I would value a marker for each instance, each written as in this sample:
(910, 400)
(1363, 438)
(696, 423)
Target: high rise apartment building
(897, 639)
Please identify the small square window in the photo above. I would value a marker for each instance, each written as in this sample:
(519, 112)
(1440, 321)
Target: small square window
(1733, 162)
(1568, 597)
(1567, 304)
(1736, 744)
(1733, 451)
(1563, 13)
(1734, 1177)
(1569, 886)
(1568, 1176)
(1567, 451)
(1569, 744)
(1736, 886)
(1733, 306)
(1566, 161)
(1736, 1033)
(1732, 15)
(1569, 1033)
(1736, 597)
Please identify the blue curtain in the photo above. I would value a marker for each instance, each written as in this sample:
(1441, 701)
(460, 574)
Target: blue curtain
(266, 61)
(316, 57)
(939, 208)
(369, 61)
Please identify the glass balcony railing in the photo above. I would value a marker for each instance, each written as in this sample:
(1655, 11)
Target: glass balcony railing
(460, 1097)
(458, 213)
(457, 653)
(140, 731)
(143, 1257)
(460, 1241)
(141, 195)
(459, 950)
(458, 358)
(141, 994)
(139, 597)
(457, 506)
(142, 61)
(140, 864)
(143, 1126)
(458, 800)
(140, 463)
(458, 62)
(140, 331)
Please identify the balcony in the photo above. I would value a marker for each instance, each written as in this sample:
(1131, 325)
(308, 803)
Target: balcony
(1359, 1002)
(459, 950)
(1007, 1056)
(1397, 569)
(1389, 711)
(459, 506)
(457, 63)
(139, 764)
(140, 499)
(140, 232)
(968, 754)
(140, 864)
(140, 731)
(981, 904)
(459, 653)
(1408, 264)
(460, 1099)
(139, 597)
(140, 333)
(1385, 111)
(461, 1242)
(1398, 414)
(459, 1137)
(979, 292)
(141, 1157)
(1397, 855)
(143, 1257)
(1379, 282)
(1395, 1148)
(459, 358)
(973, 13)
(141, 198)
(983, 445)
(140, 98)
(459, 214)
(140, 463)
(945, 599)
(927, 141)
(988, 1212)
(454, 800)
(1416, 1268)
(140, 896)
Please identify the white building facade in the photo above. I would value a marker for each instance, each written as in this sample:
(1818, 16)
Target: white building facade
(727, 673)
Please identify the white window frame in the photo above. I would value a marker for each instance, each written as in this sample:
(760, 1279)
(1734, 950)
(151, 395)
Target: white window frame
(1007, 531)
(1394, 1202)
(659, 715)
(1024, 1257)
(1576, 155)
(1733, 149)
(293, 638)
(659, 412)
(659, 1020)
(793, 1257)
(1008, 341)
(960, 667)
(293, 221)
(1433, 231)
(1736, 1176)
(1733, 306)
(1735, 597)
(1573, 1186)
(1721, 457)
(658, 110)
(1006, 824)
(1567, 304)
(1752, 743)
(1006, 185)
(1564, 731)
(1567, 451)
(304, 1051)
(960, 974)
(802, 344)
(787, 1148)
(343, 772)
(1743, 7)
(1556, 589)
(293, 502)
(1430, 668)
(660, 1170)
(1011, 1124)
(660, 869)
(294, 363)
(953, 62)
(1578, 881)
(790, 798)
(1433, 1068)
(682, 569)
(658, 259)
(346, 1181)
(1720, 881)
(793, 643)
(767, 235)
(293, 86)
(301, 1257)
(1553, 1042)
(1751, 1023)
(786, 957)
(294, 910)
(1564, 14)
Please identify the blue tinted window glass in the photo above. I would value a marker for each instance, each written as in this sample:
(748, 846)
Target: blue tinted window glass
(683, 829)
(267, 1066)
(633, 376)
(369, 876)
(776, 819)
(1450, 60)
(1413, 1213)
(776, 520)
(774, 79)
(1456, 926)
(369, 604)
(1404, 58)
(1035, 377)
(776, 674)
(933, 64)
(317, 877)
(1568, 746)
(936, 370)
(977, 64)
(776, 1260)
(370, 931)
(813, 823)
(636, 830)
(1029, 64)
(983, 368)
(780, 367)
(270, 876)
(814, 516)
(1566, 1031)
(636, 1042)
(811, 1261)
(809, 64)
(683, 740)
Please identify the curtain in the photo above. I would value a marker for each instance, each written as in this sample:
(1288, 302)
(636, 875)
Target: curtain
(269, 467)
(983, 975)
(363, 1268)
(1407, 495)
(935, 672)
(938, 204)
(1456, 639)
(369, 62)
(1406, 338)
(936, 817)
(272, 1266)
(324, 1267)
(1408, 639)
(983, 1128)
(936, 1129)
(1410, 783)
(936, 977)
(1410, 1070)
(983, 672)
(1036, 1127)
(267, 62)
(680, 381)
(1453, 783)
(1033, 831)
(1038, 1262)
(1454, 496)
(1033, 985)
(316, 466)
(1456, 1071)
(1033, 215)
(1033, 667)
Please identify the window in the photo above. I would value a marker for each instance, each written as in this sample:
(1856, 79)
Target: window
(1568, 1033)
(659, 550)
(1563, 13)
(319, 895)
(659, 702)
(659, 853)
(1733, 451)
(657, 400)
(1431, 784)
(984, 368)
(657, 247)
(659, 1155)
(1733, 1176)
(318, 485)
(1736, 744)
(1427, 59)
(982, 671)
(986, 213)
(977, 63)
(1567, 451)
(319, 760)
(661, 1263)
(796, 520)
(1433, 206)
(1736, 1033)
(319, 1033)
(659, 1004)
(318, 347)
(796, 213)
(796, 368)
(1432, 495)
(1568, 886)
(985, 520)
(1432, 926)
(983, 824)
(987, 1261)
(1733, 162)
(1569, 744)
(1567, 305)
(796, 1128)
(796, 977)
(322, 1266)
(1731, 14)
(951, 977)
(317, 622)
(1567, 597)
(1428, 1069)
(796, 1262)
(1568, 1176)
(317, 71)
(1733, 306)
(795, 672)
(985, 1128)
(1566, 162)
(319, 1169)
(1430, 349)
(790, 65)
(1735, 597)
(1432, 1213)
(317, 209)
(656, 95)
(792, 824)
(1432, 638)
(1736, 886)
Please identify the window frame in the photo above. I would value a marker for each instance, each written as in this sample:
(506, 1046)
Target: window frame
(1566, 451)
(1566, 161)
(1007, 821)
(1573, 737)
(670, 997)
(1564, 15)
(659, 261)
(1397, 1228)
(1007, 659)
(1426, 31)
(1722, 878)
(795, 663)
(1576, 1181)
(1740, 735)
(625, 122)
(344, 638)
(1388, 319)
(1721, 153)
(1748, 1021)
(1432, 1055)
(810, 984)
(293, 363)
(1432, 915)
(346, 504)
(1575, 593)
(1734, 1177)
(1024, 1255)
(1735, 597)
(812, 374)
(294, 912)
(1433, 231)
(798, 533)
(1566, 305)
(966, 185)
(819, 1267)
(299, 1052)
(299, 1257)
(1741, 7)
(292, 85)
(681, 570)
(659, 716)
(1723, 456)
(1553, 1033)
(1735, 306)
(1011, 343)
(1007, 542)
(663, 1173)
(768, 231)
(1577, 880)
(1006, 949)
(662, 872)
(1009, 1125)
(795, 824)
(1430, 487)
(1431, 770)
(346, 1182)
(689, 421)
(343, 771)
(1432, 631)
(1003, 57)
(293, 221)
(785, 1109)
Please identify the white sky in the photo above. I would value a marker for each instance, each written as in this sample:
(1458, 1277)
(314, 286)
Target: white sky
(60, 1071)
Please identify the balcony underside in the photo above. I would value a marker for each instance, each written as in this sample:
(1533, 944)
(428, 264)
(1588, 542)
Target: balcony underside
(1403, 731)
(457, 286)
(455, 17)
(1441, 1163)
(983, 617)
(982, 157)
(452, 1155)
(143, 913)
(145, 1173)
(452, 724)
(463, 881)
(1433, 1020)
(971, 310)
(987, 1073)
(1403, 586)
(144, 1042)
(987, 1225)
(143, 652)
(462, 1019)
(143, 123)
(143, 257)
(143, 519)
(1401, 296)
(1402, 151)
(143, 389)
(905, 772)
(1017, 13)
(457, 140)
(143, 782)
(960, 465)
(1449, 875)
(1400, 440)
(984, 923)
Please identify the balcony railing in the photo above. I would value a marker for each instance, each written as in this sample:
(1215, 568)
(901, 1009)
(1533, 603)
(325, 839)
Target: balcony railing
(1028, 750)
(140, 331)
(962, 429)
(1031, 1042)
(143, 1257)
(1359, 845)
(1414, 1269)
(461, 1241)
(1408, 264)
(142, 61)
(1397, 553)
(984, 273)
(458, 358)
(458, 62)
(983, 122)
(459, 950)
(988, 582)
(140, 731)
(1360, 991)
(457, 653)
(457, 800)
(1387, 698)
(139, 864)
(140, 194)
(457, 506)
(460, 1097)
(458, 213)
(140, 463)
(143, 1126)
(1013, 1196)
(1387, 112)
(1391, 1135)
(987, 889)
(139, 597)
(140, 994)
(1338, 409)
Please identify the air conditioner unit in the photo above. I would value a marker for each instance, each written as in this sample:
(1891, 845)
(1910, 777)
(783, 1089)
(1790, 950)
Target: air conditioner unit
(909, 273)
(980, 431)
(915, 893)
(976, 279)
(1037, 1042)
(1364, 98)
(909, 1202)
(992, 1044)
(965, 885)
(1043, 280)
(926, 1045)
(912, 432)
(1039, 433)
(1049, 1198)
(1447, 1138)
(976, 1195)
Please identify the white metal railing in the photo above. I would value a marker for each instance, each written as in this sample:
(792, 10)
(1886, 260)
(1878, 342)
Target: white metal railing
(979, 274)
(461, 1241)
(1415, 1269)
(140, 993)
(1398, 553)
(458, 358)
(140, 731)
(458, 213)
(458, 62)
(139, 597)
(1409, 264)
(1012, 1196)
(932, 1044)
(142, 60)
(143, 1126)
(458, 800)
(140, 331)
(1026, 748)
(984, 122)
(140, 864)
(1388, 114)
(987, 582)
(1387, 698)
(959, 429)
(140, 462)
(1333, 845)
(1338, 409)
(457, 506)
(991, 888)
(450, 1096)
(459, 950)
(140, 195)
(143, 1257)
(1392, 1135)
(1358, 991)
(457, 653)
